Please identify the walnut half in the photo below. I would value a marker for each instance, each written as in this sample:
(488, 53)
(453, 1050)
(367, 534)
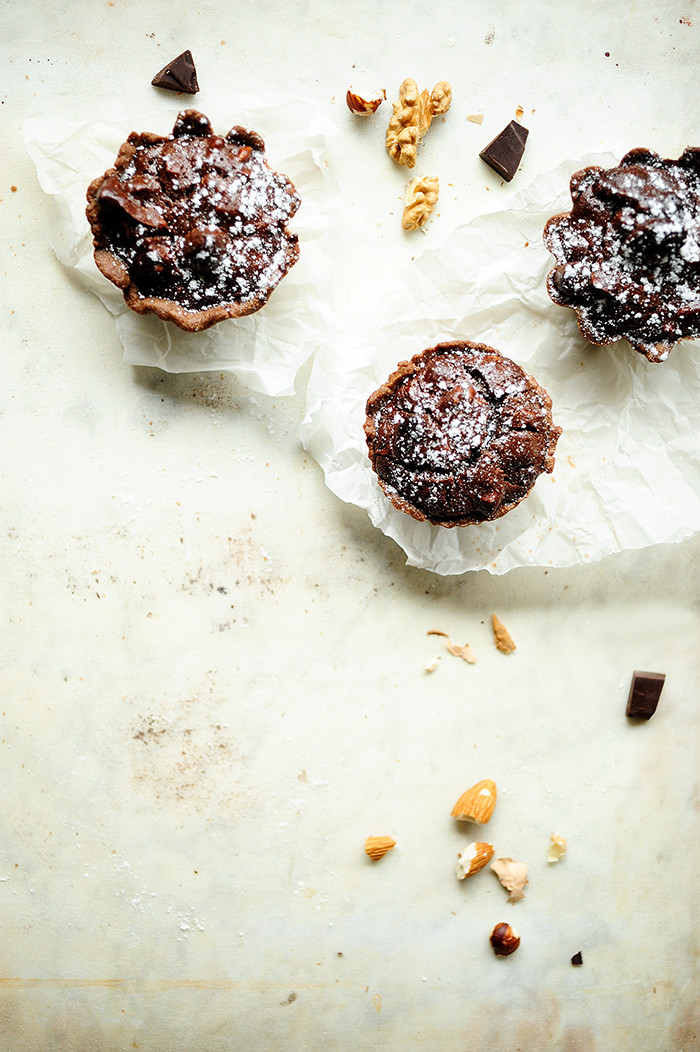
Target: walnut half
(421, 197)
(412, 116)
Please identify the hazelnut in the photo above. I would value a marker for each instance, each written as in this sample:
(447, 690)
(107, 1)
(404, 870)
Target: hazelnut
(504, 940)
(364, 107)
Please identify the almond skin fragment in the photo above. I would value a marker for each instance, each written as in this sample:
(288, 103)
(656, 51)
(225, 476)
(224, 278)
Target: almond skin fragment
(477, 804)
(512, 875)
(377, 846)
(472, 859)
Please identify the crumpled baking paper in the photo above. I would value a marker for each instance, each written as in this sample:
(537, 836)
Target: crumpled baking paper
(627, 471)
(265, 349)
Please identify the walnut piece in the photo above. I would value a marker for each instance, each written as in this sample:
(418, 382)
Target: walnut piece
(512, 875)
(421, 197)
(412, 116)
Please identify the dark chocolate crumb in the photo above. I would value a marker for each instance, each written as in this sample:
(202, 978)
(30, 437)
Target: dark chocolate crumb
(577, 959)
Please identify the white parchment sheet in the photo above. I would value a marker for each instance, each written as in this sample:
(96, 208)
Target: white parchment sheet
(627, 471)
(264, 349)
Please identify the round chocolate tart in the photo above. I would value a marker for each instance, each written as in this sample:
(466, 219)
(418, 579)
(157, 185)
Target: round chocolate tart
(460, 434)
(192, 226)
(628, 253)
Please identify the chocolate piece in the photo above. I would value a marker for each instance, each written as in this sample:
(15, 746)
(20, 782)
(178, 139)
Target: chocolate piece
(628, 252)
(577, 959)
(505, 152)
(645, 692)
(178, 75)
(459, 434)
(192, 226)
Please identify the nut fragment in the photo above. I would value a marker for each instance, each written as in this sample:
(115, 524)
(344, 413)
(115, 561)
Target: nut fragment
(421, 197)
(477, 804)
(504, 940)
(502, 637)
(412, 116)
(557, 848)
(377, 846)
(465, 652)
(472, 859)
(362, 107)
(513, 877)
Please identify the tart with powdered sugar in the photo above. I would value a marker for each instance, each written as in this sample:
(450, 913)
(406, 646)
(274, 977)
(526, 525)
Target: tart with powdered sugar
(628, 253)
(192, 226)
(460, 434)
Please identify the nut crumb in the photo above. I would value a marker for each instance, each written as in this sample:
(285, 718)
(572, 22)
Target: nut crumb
(557, 849)
(501, 636)
(421, 197)
(436, 632)
(14, 189)
(431, 667)
(475, 118)
(519, 112)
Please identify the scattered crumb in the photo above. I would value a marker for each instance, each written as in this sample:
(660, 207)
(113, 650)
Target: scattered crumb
(519, 112)
(577, 959)
(512, 875)
(450, 42)
(557, 849)
(465, 652)
(431, 667)
(14, 189)
(436, 632)
(475, 118)
(501, 636)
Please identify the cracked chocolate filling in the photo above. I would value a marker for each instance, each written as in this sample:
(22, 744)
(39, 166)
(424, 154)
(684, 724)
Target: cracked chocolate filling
(192, 226)
(628, 253)
(459, 434)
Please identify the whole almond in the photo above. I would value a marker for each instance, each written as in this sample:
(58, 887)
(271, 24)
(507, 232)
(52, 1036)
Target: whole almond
(477, 804)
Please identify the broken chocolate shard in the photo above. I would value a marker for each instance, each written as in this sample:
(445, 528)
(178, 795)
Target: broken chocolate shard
(644, 695)
(577, 959)
(178, 75)
(505, 152)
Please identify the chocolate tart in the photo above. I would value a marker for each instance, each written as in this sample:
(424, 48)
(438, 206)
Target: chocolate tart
(628, 253)
(192, 225)
(459, 435)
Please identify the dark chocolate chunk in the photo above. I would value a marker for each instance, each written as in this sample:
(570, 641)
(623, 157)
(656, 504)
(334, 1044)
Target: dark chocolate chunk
(644, 694)
(178, 75)
(505, 152)
(577, 959)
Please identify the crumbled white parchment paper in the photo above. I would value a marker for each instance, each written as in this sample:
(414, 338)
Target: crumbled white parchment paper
(627, 471)
(264, 349)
